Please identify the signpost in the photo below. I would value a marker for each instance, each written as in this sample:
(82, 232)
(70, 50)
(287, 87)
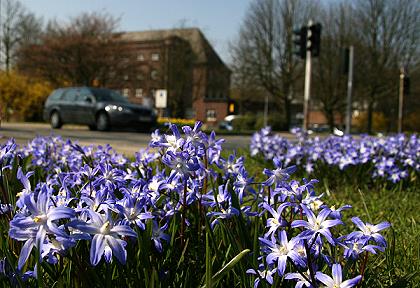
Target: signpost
(308, 42)
(349, 90)
(161, 100)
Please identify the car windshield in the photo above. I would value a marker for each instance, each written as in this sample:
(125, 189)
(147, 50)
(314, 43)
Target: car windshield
(106, 95)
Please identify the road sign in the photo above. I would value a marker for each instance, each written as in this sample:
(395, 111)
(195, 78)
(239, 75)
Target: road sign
(160, 98)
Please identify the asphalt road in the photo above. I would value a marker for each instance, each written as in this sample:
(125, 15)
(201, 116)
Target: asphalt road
(126, 142)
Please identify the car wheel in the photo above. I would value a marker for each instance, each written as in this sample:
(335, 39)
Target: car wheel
(102, 122)
(55, 120)
(92, 128)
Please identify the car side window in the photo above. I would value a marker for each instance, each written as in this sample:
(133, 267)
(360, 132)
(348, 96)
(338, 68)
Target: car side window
(70, 95)
(84, 94)
(56, 95)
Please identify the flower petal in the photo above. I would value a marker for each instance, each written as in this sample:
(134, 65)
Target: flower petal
(327, 280)
(25, 252)
(97, 249)
(351, 282)
(337, 273)
(117, 247)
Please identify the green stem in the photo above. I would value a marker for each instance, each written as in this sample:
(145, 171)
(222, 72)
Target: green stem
(363, 268)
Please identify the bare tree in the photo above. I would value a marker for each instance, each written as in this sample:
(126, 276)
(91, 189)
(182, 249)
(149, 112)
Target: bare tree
(329, 82)
(16, 23)
(264, 49)
(388, 38)
(80, 53)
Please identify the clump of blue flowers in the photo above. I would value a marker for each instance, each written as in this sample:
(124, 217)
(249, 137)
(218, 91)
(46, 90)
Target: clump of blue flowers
(94, 207)
(393, 158)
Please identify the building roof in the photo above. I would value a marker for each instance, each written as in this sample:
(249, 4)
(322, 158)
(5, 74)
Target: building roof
(201, 47)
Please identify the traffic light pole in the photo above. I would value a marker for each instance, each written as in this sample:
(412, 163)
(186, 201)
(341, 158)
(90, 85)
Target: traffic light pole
(401, 100)
(266, 111)
(306, 95)
(349, 90)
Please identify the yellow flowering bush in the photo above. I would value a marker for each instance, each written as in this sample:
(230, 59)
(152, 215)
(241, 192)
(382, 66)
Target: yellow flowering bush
(176, 121)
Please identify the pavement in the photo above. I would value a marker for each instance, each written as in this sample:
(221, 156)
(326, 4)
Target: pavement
(125, 142)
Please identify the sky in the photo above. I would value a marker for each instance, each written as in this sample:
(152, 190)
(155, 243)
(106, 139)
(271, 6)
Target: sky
(219, 20)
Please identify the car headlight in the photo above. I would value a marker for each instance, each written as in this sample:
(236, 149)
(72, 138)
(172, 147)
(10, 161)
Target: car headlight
(117, 108)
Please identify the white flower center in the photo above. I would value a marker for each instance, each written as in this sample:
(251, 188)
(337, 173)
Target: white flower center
(105, 228)
(40, 218)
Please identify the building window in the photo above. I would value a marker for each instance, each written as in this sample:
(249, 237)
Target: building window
(139, 93)
(140, 57)
(155, 57)
(125, 60)
(125, 92)
(154, 75)
(211, 115)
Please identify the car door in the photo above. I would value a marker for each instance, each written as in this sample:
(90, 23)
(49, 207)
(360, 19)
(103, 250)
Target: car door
(68, 106)
(85, 107)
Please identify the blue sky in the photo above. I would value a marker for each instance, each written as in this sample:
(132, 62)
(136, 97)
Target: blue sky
(218, 19)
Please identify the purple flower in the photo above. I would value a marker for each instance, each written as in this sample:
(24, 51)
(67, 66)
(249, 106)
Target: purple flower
(158, 235)
(336, 213)
(181, 162)
(7, 152)
(316, 225)
(223, 214)
(262, 273)
(241, 183)
(134, 211)
(301, 280)
(277, 220)
(278, 253)
(37, 221)
(353, 248)
(278, 175)
(337, 280)
(369, 231)
(106, 237)
(214, 148)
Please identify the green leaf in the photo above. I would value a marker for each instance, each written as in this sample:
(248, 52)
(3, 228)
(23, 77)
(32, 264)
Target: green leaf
(208, 263)
(229, 266)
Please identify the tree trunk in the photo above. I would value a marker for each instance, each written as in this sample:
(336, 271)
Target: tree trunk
(288, 113)
(330, 119)
(370, 117)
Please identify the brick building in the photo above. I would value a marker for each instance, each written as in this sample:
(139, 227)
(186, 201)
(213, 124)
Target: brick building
(182, 62)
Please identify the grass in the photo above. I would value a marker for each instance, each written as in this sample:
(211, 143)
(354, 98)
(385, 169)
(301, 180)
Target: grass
(374, 202)
(220, 257)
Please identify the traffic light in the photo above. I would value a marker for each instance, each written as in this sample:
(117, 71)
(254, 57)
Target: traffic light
(232, 107)
(344, 61)
(314, 39)
(300, 41)
(406, 85)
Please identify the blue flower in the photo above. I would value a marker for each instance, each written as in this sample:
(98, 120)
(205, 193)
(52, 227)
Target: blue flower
(181, 162)
(301, 278)
(242, 181)
(158, 235)
(369, 231)
(38, 220)
(223, 214)
(279, 253)
(277, 220)
(7, 152)
(134, 211)
(316, 225)
(353, 248)
(262, 273)
(337, 280)
(106, 237)
(278, 175)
